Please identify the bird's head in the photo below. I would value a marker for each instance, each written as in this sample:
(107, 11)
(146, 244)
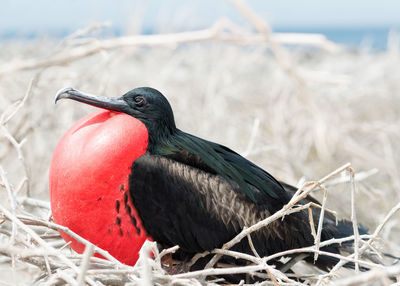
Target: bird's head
(144, 103)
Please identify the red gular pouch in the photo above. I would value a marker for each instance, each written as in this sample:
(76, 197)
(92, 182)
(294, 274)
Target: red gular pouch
(89, 183)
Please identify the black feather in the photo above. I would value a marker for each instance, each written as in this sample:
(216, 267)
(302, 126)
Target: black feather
(258, 185)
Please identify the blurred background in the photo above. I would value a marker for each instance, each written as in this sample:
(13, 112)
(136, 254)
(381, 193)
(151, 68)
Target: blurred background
(351, 23)
(298, 87)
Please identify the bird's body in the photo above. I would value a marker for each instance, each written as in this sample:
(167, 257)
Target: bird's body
(197, 194)
(183, 201)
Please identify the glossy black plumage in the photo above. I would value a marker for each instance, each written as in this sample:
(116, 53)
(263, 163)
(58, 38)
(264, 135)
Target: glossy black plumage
(189, 205)
(255, 183)
(198, 194)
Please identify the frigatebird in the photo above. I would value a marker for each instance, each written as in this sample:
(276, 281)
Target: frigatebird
(199, 194)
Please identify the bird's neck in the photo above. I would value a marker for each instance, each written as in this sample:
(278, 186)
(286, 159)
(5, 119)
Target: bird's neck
(161, 139)
(160, 132)
(165, 142)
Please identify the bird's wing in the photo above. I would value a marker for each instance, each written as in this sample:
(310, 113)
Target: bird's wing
(258, 185)
(198, 210)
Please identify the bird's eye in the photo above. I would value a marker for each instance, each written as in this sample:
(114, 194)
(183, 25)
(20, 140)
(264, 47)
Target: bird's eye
(140, 101)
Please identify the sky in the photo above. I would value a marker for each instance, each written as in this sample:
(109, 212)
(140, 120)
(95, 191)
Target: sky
(47, 15)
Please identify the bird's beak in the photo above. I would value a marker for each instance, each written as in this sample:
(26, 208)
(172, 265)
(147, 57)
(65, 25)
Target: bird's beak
(110, 103)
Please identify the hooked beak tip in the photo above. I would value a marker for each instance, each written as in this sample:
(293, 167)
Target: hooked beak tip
(63, 93)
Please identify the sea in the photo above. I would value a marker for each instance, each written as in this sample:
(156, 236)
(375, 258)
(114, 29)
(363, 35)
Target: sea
(373, 38)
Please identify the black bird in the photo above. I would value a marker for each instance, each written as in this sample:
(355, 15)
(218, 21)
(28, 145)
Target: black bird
(198, 194)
